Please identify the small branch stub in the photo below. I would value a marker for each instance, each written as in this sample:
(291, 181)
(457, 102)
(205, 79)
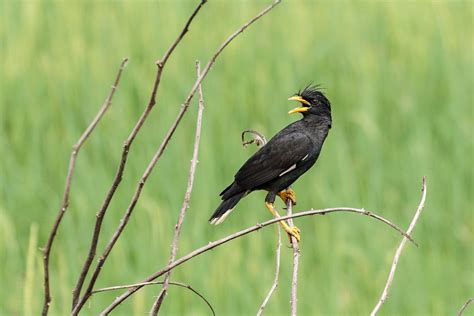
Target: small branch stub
(258, 138)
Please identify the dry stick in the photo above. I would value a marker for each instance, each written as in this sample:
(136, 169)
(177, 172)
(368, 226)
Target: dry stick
(421, 205)
(260, 140)
(277, 274)
(296, 260)
(187, 196)
(187, 286)
(126, 147)
(463, 308)
(65, 201)
(241, 233)
(156, 157)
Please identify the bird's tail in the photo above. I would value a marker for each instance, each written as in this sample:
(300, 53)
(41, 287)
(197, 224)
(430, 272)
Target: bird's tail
(225, 208)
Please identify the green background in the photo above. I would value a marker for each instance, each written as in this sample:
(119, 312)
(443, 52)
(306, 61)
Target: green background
(399, 76)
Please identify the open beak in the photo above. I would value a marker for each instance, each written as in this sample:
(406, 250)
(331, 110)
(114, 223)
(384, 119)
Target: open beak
(299, 109)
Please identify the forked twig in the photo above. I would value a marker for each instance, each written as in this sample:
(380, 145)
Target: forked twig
(65, 201)
(384, 296)
(187, 197)
(76, 303)
(236, 235)
(187, 286)
(156, 157)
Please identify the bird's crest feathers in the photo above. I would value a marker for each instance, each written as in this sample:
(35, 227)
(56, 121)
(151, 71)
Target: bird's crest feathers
(314, 95)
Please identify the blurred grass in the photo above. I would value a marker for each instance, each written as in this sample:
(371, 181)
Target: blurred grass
(399, 75)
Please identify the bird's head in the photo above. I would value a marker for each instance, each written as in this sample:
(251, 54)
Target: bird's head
(312, 100)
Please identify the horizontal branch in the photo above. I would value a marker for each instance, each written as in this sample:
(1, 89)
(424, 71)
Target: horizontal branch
(241, 233)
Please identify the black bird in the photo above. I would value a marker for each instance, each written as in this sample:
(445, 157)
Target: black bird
(279, 163)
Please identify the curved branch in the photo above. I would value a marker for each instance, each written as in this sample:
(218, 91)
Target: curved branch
(241, 233)
(65, 202)
(421, 205)
(187, 286)
(463, 308)
(258, 138)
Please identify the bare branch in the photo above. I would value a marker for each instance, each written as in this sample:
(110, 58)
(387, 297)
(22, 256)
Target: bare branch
(65, 201)
(296, 260)
(277, 274)
(463, 308)
(187, 197)
(151, 165)
(121, 287)
(260, 140)
(118, 176)
(241, 233)
(421, 205)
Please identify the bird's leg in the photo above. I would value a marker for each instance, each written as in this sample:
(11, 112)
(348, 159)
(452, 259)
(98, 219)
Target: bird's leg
(291, 231)
(288, 194)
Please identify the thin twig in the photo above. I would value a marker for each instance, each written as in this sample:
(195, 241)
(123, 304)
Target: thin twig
(65, 201)
(384, 296)
(187, 197)
(156, 157)
(241, 233)
(296, 260)
(277, 274)
(463, 308)
(76, 304)
(187, 286)
(260, 140)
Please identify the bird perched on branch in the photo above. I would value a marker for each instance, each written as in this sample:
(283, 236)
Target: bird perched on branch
(279, 163)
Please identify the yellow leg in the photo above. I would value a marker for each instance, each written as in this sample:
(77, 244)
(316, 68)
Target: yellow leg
(288, 194)
(291, 231)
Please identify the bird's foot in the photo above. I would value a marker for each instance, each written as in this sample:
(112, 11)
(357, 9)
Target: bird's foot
(293, 232)
(288, 194)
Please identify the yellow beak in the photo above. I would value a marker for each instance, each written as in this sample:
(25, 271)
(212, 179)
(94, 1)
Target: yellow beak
(299, 99)
(300, 109)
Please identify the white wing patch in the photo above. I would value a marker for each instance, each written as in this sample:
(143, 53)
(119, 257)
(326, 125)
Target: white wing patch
(293, 167)
(288, 170)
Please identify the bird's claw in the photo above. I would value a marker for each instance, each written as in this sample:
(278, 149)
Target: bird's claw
(288, 194)
(294, 232)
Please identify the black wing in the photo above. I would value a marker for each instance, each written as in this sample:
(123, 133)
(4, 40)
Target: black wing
(277, 156)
